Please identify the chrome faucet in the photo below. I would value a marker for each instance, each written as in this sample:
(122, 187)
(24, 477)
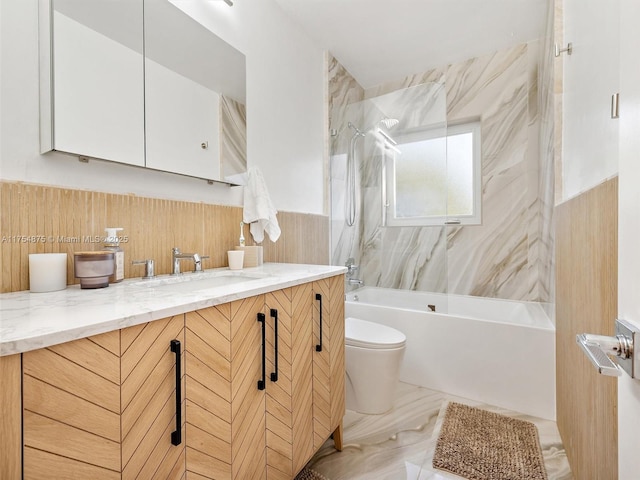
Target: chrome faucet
(177, 255)
(351, 267)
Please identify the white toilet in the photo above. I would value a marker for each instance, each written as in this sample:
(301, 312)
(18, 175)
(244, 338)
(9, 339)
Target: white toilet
(374, 353)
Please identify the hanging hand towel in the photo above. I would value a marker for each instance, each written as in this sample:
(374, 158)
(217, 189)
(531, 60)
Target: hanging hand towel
(258, 210)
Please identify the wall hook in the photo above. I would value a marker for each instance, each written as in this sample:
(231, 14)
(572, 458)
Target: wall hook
(568, 49)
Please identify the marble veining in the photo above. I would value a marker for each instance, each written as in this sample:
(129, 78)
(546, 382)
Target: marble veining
(29, 321)
(400, 444)
(507, 256)
(233, 137)
(343, 92)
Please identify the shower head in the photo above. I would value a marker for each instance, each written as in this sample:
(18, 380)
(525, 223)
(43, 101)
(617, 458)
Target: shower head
(389, 122)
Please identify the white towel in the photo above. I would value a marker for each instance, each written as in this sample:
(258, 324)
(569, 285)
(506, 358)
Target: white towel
(258, 210)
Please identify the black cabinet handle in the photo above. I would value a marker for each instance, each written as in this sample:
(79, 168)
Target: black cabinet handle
(176, 437)
(274, 315)
(319, 346)
(261, 383)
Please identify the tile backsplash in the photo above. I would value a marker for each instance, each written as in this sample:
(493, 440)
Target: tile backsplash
(46, 219)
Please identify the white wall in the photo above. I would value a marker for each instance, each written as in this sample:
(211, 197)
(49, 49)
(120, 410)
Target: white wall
(605, 35)
(591, 76)
(629, 231)
(284, 111)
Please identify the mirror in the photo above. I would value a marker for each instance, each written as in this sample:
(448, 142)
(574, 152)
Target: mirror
(194, 96)
(142, 83)
(97, 83)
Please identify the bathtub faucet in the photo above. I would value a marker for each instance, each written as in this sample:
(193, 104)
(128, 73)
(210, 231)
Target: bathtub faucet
(355, 281)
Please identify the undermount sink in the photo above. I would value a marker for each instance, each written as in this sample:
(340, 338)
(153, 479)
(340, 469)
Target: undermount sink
(196, 282)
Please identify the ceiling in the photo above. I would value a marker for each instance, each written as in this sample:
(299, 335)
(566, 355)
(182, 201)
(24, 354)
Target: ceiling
(383, 40)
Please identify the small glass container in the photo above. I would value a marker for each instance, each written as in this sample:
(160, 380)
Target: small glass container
(93, 268)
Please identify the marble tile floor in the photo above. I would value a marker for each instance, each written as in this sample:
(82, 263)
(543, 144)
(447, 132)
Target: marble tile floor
(400, 444)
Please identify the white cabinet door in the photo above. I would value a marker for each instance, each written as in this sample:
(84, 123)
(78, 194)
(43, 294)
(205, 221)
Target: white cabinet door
(98, 86)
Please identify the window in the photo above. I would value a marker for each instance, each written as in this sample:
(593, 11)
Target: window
(433, 177)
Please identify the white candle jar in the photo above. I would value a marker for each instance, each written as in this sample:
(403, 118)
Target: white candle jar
(47, 272)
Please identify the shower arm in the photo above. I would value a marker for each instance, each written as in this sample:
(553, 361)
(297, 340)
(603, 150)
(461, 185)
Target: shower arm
(387, 137)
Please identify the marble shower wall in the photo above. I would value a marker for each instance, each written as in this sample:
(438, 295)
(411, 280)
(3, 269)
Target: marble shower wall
(509, 255)
(343, 91)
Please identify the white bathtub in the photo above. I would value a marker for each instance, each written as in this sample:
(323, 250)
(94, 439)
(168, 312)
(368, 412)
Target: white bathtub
(499, 352)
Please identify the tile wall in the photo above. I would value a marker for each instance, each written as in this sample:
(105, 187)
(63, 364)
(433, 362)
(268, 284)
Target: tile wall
(508, 256)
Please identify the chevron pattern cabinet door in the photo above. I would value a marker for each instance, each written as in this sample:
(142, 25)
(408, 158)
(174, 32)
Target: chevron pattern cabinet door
(71, 410)
(302, 374)
(321, 366)
(104, 407)
(289, 414)
(336, 342)
(279, 404)
(328, 364)
(248, 453)
(208, 392)
(148, 373)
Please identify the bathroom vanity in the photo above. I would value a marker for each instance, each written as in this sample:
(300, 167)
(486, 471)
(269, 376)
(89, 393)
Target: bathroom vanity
(222, 374)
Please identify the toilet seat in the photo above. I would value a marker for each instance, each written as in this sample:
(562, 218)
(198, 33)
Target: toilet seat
(364, 334)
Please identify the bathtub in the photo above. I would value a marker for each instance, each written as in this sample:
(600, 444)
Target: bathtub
(499, 352)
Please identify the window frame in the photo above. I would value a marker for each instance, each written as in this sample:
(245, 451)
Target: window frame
(389, 183)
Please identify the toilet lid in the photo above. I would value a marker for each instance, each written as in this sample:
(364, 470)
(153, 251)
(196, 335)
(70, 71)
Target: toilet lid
(360, 333)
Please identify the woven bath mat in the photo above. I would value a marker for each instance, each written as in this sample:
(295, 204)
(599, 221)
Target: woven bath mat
(308, 474)
(481, 445)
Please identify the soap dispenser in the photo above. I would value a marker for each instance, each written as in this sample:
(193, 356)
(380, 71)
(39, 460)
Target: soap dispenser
(112, 244)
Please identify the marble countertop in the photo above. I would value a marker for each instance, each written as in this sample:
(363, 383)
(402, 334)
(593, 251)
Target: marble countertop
(29, 321)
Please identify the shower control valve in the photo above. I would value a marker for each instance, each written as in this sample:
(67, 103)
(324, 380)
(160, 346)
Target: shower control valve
(351, 267)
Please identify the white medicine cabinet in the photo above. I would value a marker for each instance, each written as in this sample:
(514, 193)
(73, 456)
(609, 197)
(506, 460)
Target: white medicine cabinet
(140, 82)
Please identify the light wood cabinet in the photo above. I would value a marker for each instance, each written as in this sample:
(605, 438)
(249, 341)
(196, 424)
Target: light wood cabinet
(225, 409)
(289, 399)
(274, 427)
(106, 407)
(103, 407)
(328, 361)
(11, 416)
(150, 402)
